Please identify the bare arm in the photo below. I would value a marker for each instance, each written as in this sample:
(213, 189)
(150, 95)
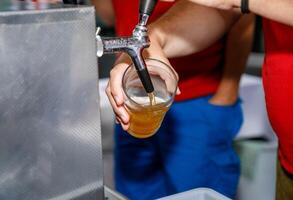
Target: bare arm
(238, 47)
(104, 9)
(278, 10)
(187, 28)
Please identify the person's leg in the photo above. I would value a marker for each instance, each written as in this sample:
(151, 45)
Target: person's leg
(284, 186)
(197, 151)
(137, 168)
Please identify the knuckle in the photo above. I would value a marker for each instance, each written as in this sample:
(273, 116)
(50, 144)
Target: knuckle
(113, 91)
(116, 112)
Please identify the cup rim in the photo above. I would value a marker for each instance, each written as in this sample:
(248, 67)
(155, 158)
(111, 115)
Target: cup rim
(157, 60)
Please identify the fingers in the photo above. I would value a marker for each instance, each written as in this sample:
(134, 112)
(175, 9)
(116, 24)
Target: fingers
(122, 116)
(170, 76)
(115, 83)
(115, 91)
(119, 110)
(178, 92)
(125, 126)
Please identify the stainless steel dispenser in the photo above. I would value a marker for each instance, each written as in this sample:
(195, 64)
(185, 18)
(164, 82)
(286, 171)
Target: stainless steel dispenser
(50, 146)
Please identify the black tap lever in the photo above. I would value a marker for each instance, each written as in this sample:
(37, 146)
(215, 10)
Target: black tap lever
(147, 7)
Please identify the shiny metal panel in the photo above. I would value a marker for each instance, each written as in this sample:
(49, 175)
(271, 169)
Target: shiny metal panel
(50, 145)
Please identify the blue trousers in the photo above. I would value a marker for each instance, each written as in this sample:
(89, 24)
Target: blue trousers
(193, 148)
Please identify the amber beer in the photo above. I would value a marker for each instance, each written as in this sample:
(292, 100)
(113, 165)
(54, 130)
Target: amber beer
(147, 110)
(145, 120)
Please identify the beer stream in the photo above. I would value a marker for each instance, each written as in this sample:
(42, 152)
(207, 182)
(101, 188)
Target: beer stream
(152, 99)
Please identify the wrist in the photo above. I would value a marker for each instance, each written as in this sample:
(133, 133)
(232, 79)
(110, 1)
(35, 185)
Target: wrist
(228, 99)
(156, 35)
(227, 92)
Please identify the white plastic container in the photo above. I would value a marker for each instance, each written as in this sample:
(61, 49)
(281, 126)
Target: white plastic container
(258, 169)
(256, 123)
(197, 194)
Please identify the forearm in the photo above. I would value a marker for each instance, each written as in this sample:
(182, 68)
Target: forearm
(105, 10)
(240, 36)
(188, 28)
(277, 10)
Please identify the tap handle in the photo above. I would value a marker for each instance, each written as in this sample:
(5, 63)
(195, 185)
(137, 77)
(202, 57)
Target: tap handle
(146, 80)
(147, 6)
(142, 72)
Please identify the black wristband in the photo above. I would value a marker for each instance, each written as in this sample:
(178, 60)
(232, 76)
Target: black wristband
(244, 7)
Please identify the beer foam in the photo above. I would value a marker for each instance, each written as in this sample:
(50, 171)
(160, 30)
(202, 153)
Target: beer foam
(146, 100)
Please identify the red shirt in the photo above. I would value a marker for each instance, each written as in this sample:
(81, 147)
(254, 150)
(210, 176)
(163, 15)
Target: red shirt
(199, 73)
(278, 85)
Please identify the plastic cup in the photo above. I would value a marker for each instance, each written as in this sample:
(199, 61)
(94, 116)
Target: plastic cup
(146, 116)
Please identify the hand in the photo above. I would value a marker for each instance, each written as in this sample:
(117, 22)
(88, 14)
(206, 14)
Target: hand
(227, 93)
(114, 89)
(222, 100)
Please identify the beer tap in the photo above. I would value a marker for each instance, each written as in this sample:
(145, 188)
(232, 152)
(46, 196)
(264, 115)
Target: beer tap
(133, 45)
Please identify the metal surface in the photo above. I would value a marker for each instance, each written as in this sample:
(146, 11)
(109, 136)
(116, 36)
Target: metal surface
(197, 194)
(132, 45)
(50, 145)
(112, 195)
